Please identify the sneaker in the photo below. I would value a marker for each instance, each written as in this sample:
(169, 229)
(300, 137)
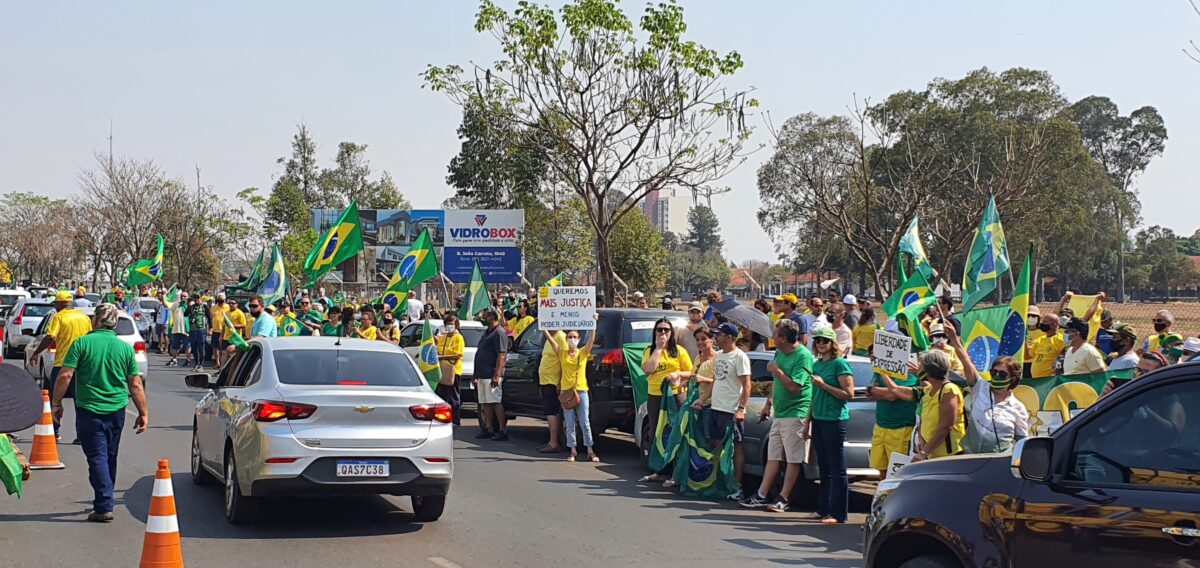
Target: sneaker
(170, 363)
(483, 435)
(780, 506)
(754, 501)
(500, 436)
(100, 517)
(737, 495)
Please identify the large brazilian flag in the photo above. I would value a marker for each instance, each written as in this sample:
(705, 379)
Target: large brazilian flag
(703, 471)
(670, 431)
(914, 289)
(340, 243)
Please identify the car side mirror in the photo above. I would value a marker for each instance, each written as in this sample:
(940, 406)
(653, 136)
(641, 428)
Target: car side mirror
(202, 381)
(27, 332)
(1032, 457)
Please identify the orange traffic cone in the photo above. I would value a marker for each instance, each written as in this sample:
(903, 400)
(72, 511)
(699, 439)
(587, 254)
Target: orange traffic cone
(161, 547)
(44, 454)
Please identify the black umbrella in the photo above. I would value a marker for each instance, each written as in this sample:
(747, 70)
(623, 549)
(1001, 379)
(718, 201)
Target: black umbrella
(746, 316)
(20, 399)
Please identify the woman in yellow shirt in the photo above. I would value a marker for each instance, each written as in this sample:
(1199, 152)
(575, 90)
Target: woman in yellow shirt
(450, 348)
(574, 378)
(941, 410)
(864, 333)
(523, 320)
(663, 357)
(366, 328)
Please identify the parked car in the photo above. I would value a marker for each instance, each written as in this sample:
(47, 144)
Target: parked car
(858, 433)
(1117, 485)
(10, 296)
(40, 368)
(472, 331)
(610, 389)
(144, 315)
(321, 416)
(23, 321)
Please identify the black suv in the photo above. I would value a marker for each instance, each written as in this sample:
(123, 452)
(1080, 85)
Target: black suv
(609, 386)
(1118, 485)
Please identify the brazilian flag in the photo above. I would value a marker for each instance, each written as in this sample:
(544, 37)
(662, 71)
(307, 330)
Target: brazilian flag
(989, 333)
(637, 377)
(290, 327)
(914, 289)
(146, 271)
(1015, 327)
(476, 299)
(703, 471)
(235, 338)
(909, 319)
(670, 431)
(987, 260)
(428, 360)
(418, 265)
(911, 243)
(557, 280)
(274, 282)
(340, 243)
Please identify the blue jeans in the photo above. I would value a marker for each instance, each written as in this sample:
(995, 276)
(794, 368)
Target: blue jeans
(833, 496)
(199, 341)
(580, 414)
(100, 436)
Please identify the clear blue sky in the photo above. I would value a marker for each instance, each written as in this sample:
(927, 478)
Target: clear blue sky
(222, 85)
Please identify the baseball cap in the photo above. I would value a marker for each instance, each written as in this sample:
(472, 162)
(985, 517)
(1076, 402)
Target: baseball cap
(1124, 330)
(696, 306)
(64, 296)
(1078, 325)
(789, 298)
(726, 328)
(825, 333)
(850, 299)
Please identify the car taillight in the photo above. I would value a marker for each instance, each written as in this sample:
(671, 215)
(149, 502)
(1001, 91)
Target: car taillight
(616, 357)
(20, 315)
(139, 347)
(53, 346)
(272, 410)
(440, 412)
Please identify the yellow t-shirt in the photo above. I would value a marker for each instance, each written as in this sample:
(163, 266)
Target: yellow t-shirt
(238, 319)
(550, 369)
(955, 364)
(574, 370)
(369, 332)
(864, 337)
(452, 345)
(931, 413)
(519, 325)
(218, 312)
(1043, 352)
(392, 334)
(1031, 335)
(666, 365)
(67, 326)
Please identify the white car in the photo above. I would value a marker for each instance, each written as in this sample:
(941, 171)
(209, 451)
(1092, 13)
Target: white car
(472, 332)
(40, 368)
(321, 416)
(144, 314)
(23, 320)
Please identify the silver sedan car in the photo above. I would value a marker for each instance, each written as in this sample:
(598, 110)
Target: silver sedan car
(318, 416)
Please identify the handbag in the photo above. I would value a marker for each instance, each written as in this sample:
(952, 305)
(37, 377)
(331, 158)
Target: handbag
(569, 399)
(447, 378)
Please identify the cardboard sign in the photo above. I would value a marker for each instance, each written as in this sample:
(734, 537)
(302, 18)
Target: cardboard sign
(891, 354)
(567, 307)
(896, 462)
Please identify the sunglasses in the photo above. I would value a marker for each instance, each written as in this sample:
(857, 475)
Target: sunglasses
(822, 340)
(255, 306)
(999, 374)
(663, 330)
(1160, 321)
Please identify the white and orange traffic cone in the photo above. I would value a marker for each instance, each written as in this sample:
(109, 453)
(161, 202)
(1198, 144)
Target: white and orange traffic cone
(161, 548)
(44, 454)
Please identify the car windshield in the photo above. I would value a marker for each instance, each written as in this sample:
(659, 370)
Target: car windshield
(148, 304)
(471, 336)
(38, 310)
(338, 367)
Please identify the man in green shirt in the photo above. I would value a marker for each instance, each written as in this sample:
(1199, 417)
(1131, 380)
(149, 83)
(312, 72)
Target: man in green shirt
(107, 376)
(791, 395)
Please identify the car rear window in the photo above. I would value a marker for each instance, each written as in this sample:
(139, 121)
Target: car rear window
(38, 310)
(471, 336)
(148, 304)
(125, 327)
(9, 299)
(642, 331)
(333, 367)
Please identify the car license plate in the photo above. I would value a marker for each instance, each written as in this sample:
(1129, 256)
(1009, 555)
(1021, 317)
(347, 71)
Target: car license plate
(362, 468)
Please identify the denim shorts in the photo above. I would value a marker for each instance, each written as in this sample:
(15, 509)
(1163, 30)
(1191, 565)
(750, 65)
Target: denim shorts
(718, 421)
(178, 341)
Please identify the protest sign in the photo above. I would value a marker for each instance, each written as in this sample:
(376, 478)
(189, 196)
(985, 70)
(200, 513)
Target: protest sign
(891, 354)
(567, 307)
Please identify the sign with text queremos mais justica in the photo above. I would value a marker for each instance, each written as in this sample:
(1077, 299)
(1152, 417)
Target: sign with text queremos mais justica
(567, 307)
(490, 237)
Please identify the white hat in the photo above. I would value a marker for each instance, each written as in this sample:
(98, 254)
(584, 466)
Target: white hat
(637, 295)
(850, 299)
(937, 329)
(1192, 344)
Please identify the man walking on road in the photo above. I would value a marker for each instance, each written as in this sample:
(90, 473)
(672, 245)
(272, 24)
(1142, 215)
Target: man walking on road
(108, 377)
(490, 357)
(217, 315)
(179, 329)
(66, 325)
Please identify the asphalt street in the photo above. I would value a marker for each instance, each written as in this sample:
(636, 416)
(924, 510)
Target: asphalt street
(508, 506)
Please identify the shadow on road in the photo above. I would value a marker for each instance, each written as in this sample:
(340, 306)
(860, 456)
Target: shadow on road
(201, 514)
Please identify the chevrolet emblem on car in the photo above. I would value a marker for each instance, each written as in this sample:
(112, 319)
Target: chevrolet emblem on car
(364, 409)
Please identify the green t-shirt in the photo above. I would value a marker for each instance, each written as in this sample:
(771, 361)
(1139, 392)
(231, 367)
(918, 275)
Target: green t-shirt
(824, 405)
(894, 414)
(798, 365)
(328, 329)
(103, 364)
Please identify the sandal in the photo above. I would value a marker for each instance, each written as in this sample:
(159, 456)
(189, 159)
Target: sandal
(571, 458)
(831, 521)
(548, 449)
(595, 458)
(670, 483)
(812, 517)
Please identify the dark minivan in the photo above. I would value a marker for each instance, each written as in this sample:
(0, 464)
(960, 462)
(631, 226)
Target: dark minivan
(1118, 485)
(610, 389)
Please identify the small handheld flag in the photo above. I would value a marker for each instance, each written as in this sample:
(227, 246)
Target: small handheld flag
(428, 360)
(477, 298)
(146, 271)
(557, 280)
(235, 338)
(340, 243)
(418, 265)
(274, 282)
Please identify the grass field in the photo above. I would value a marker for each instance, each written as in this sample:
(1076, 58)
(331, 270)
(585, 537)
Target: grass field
(1187, 316)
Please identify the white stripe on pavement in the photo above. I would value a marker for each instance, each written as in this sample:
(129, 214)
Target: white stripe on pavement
(162, 525)
(443, 562)
(162, 488)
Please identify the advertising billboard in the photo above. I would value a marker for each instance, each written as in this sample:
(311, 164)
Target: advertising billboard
(490, 237)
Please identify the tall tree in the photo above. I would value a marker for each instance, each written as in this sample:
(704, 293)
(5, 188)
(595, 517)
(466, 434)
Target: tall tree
(557, 239)
(704, 230)
(639, 257)
(1124, 146)
(624, 114)
(499, 165)
(300, 169)
(350, 180)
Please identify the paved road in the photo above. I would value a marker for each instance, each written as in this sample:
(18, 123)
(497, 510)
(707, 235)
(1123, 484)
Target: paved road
(509, 506)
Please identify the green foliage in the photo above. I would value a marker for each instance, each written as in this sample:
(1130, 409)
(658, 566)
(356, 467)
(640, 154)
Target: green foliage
(287, 211)
(689, 270)
(704, 231)
(350, 180)
(499, 166)
(638, 254)
(557, 240)
(1158, 260)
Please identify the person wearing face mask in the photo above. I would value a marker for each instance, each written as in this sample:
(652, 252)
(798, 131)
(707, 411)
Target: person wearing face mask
(686, 334)
(450, 348)
(1164, 340)
(1081, 357)
(938, 339)
(574, 380)
(997, 418)
(1123, 341)
(522, 320)
(845, 336)
(389, 330)
(1044, 350)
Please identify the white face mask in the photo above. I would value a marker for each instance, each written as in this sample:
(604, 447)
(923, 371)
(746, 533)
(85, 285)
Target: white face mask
(573, 342)
(448, 329)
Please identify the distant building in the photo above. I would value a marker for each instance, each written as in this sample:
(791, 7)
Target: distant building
(668, 210)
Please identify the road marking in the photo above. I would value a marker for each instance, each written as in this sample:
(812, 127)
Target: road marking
(443, 562)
